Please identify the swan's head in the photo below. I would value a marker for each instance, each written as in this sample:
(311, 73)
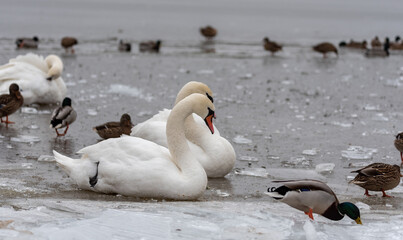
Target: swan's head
(125, 120)
(15, 91)
(55, 66)
(194, 87)
(203, 107)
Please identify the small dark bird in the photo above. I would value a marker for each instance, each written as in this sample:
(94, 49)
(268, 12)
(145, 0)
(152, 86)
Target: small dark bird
(325, 48)
(397, 45)
(399, 145)
(115, 129)
(209, 32)
(68, 43)
(124, 46)
(271, 46)
(378, 52)
(63, 117)
(377, 177)
(150, 46)
(375, 43)
(27, 42)
(354, 44)
(9, 103)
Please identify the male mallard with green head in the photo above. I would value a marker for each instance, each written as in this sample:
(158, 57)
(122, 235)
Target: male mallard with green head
(271, 46)
(325, 48)
(9, 103)
(312, 196)
(377, 177)
(115, 129)
(63, 116)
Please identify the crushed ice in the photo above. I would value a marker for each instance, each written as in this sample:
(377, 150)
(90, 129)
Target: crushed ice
(239, 139)
(310, 152)
(25, 139)
(254, 172)
(130, 91)
(248, 159)
(325, 167)
(358, 152)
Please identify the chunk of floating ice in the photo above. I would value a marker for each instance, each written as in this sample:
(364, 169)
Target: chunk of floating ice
(310, 231)
(33, 127)
(294, 161)
(358, 152)
(248, 158)
(241, 140)
(92, 112)
(26, 165)
(362, 205)
(25, 139)
(205, 71)
(369, 107)
(294, 173)
(46, 158)
(31, 110)
(130, 91)
(222, 194)
(358, 164)
(325, 167)
(254, 172)
(345, 125)
(247, 76)
(310, 152)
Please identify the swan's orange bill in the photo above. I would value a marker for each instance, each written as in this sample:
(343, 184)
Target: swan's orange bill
(209, 122)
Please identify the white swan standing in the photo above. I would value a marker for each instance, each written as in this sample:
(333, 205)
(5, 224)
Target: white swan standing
(215, 153)
(40, 79)
(136, 167)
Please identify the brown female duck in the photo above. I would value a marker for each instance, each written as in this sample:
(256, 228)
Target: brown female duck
(375, 43)
(150, 46)
(68, 43)
(9, 103)
(271, 46)
(208, 32)
(124, 46)
(115, 129)
(63, 116)
(377, 177)
(324, 48)
(399, 145)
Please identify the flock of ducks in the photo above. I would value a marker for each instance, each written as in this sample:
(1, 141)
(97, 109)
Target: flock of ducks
(172, 154)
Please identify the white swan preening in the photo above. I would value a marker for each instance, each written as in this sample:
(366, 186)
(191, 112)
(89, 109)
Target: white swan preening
(215, 153)
(38, 77)
(133, 166)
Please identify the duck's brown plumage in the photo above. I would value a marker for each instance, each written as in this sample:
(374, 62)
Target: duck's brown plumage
(9, 103)
(150, 46)
(357, 45)
(124, 46)
(377, 177)
(375, 43)
(399, 144)
(68, 42)
(115, 129)
(271, 46)
(208, 31)
(325, 47)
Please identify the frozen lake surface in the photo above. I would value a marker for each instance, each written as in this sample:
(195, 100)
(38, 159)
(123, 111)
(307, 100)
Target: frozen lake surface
(291, 116)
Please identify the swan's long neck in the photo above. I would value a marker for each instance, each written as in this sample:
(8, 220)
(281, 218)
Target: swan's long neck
(177, 143)
(55, 66)
(194, 132)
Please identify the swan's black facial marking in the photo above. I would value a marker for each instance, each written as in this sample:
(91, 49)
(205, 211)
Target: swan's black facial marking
(210, 97)
(93, 180)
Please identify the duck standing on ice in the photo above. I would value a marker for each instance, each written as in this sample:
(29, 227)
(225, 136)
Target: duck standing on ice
(63, 116)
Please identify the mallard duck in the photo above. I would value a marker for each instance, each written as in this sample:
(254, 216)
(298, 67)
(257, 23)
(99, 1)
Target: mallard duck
(63, 116)
(378, 52)
(150, 46)
(397, 45)
(27, 42)
(115, 129)
(354, 44)
(399, 145)
(271, 46)
(325, 48)
(208, 32)
(375, 43)
(133, 166)
(124, 46)
(214, 152)
(377, 177)
(68, 43)
(9, 103)
(311, 196)
(39, 77)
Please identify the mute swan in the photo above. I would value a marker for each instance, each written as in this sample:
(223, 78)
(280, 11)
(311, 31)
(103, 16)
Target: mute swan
(133, 166)
(9, 103)
(214, 152)
(39, 78)
(63, 116)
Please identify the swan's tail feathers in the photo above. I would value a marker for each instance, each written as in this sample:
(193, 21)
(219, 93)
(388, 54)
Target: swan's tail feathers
(66, 163)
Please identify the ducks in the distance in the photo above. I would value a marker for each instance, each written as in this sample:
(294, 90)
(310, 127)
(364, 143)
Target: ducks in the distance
(311, 196)
(399, 145)
(124, 46)
(397, 45)
(377, 177)
(379, 52)
(208, 32)
(63, 117)
(27, 42)
(39, 77)
(271, 46)
(115, 129)
(354, 44)
(133, 166)
(68, 43)
(215, 153)
(376, 43)
(324, 48)
(9, 103)
(150, 46)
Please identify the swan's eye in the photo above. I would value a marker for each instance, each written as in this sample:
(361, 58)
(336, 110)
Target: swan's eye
(210, 97)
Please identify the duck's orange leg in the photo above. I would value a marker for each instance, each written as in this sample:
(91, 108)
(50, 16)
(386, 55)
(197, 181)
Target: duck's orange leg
(367, 193)
(310, 215)
(6, 122)
(401, 157)
(384, 194)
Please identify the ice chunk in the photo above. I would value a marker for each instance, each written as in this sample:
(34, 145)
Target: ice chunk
(239, 139)
(380, 118)
(25, 139)
(33, 127)
(26, 165)
(310, 231)
(295, 161)
(292, 173)
(31, 110)
(310, 152)
(46, 158)
(255, 172)
(246, 76)
(248, 159)
(358, 152)
(362, 205)
(130, 91)
(341, 124)
(222, 194)
(325, 167)
(92, 112)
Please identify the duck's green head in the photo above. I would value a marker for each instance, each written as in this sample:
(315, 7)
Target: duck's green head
(350, 210)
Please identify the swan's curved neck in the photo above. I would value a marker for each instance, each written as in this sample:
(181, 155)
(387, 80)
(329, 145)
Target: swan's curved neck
(55, 66)
(194, 132)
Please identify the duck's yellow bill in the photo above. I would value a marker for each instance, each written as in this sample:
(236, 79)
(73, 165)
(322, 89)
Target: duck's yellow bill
(358, 220)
